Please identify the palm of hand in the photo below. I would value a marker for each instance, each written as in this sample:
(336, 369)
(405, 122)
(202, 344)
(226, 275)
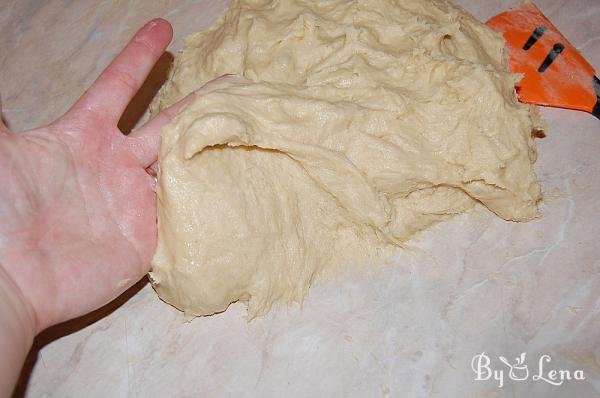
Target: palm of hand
(77, 207)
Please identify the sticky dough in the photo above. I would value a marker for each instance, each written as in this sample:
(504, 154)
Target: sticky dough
(349, 127)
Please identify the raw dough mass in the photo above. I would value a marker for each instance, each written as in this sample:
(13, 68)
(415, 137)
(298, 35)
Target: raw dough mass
(349, 127)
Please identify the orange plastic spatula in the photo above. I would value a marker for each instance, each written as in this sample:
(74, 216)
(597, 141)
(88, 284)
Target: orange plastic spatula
(554, 72)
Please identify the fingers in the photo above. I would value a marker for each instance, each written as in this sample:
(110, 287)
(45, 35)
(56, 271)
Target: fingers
(153, 169)
(3, 127)
(145, 141)
(111, 92)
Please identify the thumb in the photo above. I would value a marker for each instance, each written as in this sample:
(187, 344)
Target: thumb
(145, 141)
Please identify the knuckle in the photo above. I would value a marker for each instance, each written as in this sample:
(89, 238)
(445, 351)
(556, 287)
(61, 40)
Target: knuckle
(123, 78)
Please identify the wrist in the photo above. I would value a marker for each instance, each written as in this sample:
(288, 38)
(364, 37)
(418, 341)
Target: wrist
(17, 331)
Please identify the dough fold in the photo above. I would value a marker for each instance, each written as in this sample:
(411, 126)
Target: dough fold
(349, 126)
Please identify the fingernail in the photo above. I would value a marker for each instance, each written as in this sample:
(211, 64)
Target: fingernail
(152, 24)
(155, 22)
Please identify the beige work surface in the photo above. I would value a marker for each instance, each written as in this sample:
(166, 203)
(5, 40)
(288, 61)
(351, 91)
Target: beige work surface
(408, 329)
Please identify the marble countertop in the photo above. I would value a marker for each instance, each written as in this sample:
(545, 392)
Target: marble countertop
(409, 328)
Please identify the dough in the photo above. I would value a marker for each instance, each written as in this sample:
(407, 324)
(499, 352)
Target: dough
(351, 126)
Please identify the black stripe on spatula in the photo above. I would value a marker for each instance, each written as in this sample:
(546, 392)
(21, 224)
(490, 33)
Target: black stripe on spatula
(596, 110)
(555, 52)
(535, 36)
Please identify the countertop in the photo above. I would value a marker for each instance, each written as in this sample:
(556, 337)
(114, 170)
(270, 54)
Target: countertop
(409, 328)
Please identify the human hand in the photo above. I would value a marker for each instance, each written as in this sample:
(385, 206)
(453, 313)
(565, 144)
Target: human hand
(77, 206)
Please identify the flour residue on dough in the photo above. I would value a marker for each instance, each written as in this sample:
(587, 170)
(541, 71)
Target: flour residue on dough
(349, 127)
